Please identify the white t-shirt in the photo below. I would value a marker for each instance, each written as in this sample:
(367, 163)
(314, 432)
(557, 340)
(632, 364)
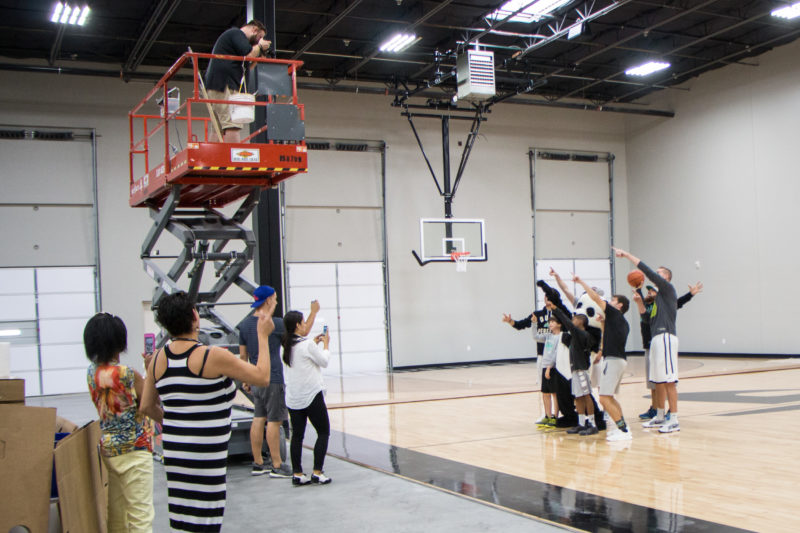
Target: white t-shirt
(304, 378)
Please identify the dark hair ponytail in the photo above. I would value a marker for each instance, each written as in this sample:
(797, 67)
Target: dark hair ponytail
(291, 320)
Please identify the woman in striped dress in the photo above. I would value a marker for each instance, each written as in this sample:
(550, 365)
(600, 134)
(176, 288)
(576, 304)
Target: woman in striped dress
(195, 387)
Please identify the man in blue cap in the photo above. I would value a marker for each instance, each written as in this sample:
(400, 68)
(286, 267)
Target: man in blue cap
(269, 402)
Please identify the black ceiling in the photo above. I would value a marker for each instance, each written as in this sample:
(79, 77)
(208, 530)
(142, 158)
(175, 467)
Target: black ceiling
(338, 40)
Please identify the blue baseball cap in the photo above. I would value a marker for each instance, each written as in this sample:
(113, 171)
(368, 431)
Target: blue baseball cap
(261, 294)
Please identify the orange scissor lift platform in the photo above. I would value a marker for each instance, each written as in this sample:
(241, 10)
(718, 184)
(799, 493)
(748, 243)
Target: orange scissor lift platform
(211, 173)
(183, 186)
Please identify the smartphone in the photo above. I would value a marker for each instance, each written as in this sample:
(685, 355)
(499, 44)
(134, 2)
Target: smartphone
(325, 329)
(149, 343)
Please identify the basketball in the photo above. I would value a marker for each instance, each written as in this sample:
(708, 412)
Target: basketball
(635, 278)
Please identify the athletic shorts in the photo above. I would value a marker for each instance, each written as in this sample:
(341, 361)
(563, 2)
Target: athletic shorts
(650, 384)
(664, 358)
(549, 385)
(581, 384)
(595, 369)
(270, 402)
(223, 111)
(611, 377)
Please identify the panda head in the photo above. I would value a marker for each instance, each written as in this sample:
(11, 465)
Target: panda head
(586, 306)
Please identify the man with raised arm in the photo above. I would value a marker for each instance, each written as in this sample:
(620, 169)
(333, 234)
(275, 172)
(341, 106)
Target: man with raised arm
(615, 336)
(644, 305)
(663, 344)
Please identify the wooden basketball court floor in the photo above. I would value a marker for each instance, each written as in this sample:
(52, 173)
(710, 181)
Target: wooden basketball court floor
(735, 464)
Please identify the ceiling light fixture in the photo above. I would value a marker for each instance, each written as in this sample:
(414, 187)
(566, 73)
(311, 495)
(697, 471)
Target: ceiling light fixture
(788, 12)
(647, 68)
(63, 13)
(399, 42)
(575, 31)
(10, 332)
(531, 13)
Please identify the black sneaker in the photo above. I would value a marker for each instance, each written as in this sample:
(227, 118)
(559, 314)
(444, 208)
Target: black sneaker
(321, 479)
(299, 481)
(259, 470)
(576, 429)
(589, 430)
(282, 471)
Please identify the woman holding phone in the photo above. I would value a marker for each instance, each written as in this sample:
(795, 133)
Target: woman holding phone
(189, 386)
(304, 361)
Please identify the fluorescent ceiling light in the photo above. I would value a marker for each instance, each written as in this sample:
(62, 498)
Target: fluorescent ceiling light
(788, 12)
(10, 332)
(575, 31)
(399, 42)
(647, 68)
(57, 9)
(63, 13)
(84, 14)
(532, 13)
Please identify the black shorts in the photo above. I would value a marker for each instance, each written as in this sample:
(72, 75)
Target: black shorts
(549, 385)
(270, 402)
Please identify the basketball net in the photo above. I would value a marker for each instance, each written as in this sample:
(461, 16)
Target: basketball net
(460, 259)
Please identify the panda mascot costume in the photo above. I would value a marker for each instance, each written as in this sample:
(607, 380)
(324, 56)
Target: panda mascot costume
(566, 401)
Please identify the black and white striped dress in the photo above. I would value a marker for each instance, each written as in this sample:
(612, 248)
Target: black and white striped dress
(196, 431)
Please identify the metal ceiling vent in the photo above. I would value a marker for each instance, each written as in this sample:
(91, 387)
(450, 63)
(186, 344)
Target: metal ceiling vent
(475, 74)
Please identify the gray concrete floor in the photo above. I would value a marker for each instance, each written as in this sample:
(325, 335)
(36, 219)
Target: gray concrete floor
(358, 499)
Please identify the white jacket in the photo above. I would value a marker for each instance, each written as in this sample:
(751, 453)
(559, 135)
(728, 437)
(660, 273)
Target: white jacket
(304, 378)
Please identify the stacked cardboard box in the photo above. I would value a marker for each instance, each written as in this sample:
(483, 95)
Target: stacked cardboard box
(26, 463)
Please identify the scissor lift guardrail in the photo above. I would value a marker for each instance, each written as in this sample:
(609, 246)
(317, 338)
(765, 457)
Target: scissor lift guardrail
(184, 188)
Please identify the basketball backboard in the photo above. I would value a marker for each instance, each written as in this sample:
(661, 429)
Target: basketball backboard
(440, 237)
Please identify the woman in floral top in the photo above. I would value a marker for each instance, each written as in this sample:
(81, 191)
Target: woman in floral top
(127, 436)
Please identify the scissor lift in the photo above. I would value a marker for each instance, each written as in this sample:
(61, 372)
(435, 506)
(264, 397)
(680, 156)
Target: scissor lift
(184, 187)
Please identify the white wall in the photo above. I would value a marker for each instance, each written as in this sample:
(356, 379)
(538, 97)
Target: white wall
(719, 184)
(437, 315)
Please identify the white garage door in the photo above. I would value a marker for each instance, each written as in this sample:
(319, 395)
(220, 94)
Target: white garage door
(48, 269)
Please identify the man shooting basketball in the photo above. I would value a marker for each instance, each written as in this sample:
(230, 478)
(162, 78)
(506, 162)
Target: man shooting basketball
(615, 335)
(663, 344)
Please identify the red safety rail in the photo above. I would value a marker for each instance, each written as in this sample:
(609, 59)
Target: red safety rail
(210, 173)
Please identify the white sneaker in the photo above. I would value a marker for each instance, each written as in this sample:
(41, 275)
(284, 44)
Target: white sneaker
(299, 481)
(670, 427)
(321, 479)
(619, 436)
(654, 423)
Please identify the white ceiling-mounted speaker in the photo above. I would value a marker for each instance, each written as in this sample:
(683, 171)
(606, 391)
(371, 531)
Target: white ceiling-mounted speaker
(475, 75)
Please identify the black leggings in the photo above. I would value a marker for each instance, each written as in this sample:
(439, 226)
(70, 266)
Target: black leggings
(317, 413)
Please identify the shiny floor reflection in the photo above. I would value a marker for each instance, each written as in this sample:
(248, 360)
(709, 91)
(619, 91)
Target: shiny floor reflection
(553, 503)
(734, 464)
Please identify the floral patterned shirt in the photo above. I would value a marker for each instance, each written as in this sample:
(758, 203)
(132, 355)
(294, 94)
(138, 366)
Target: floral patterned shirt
(113, 393)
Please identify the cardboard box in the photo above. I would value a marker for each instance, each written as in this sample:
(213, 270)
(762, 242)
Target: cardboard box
(26, 465)
(82, 481)
(12, 391)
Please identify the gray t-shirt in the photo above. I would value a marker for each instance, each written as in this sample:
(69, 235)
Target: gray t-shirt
(665, 308)
(550, 354)
(248, 336)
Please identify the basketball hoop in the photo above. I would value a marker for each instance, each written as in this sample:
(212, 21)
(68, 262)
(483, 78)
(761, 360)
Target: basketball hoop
(460, 259)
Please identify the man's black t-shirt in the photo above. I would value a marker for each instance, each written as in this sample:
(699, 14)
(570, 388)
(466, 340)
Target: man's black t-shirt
(223, 73)
(615, 332)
